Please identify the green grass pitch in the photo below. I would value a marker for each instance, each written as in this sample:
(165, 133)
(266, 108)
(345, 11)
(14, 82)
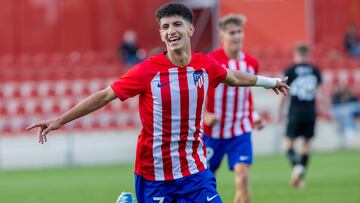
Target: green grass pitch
(333, 177)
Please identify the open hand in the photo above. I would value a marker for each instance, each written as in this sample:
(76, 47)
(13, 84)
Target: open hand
(44, 127)
(281, 87)
(210, 119)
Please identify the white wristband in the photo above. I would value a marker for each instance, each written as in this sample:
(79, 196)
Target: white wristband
(266, 82)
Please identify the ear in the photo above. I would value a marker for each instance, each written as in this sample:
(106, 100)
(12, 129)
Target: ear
(161, 36)
(191, 30)
(221, 34)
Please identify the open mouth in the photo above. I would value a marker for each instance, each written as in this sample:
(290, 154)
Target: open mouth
(174, 40)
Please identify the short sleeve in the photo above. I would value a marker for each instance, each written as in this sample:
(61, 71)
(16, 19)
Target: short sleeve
(132, 83)
(318, 75)
(216, 73)
(288, 73)
(256, 66)
(254, 63)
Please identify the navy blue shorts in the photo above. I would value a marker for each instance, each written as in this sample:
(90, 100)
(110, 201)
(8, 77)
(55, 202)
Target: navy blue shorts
(196, 188)
(238, 150)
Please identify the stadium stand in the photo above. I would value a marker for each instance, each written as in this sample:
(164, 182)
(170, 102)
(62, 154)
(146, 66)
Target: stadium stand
(41, 86)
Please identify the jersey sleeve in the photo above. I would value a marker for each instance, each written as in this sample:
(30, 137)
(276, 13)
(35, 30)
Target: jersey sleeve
(288, 73)
(256, 66)
(318, 75)
(254, 63)
(216, 72)
(131, 84)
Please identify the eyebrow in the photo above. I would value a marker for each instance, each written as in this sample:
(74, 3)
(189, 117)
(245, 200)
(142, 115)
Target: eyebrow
(178, 21)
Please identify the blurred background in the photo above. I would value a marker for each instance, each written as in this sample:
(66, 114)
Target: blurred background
(54, 53)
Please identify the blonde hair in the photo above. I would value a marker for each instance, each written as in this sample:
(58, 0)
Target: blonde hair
(236, 19)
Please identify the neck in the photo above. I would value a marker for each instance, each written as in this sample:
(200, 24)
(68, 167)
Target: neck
(301, 60)
(233, 54)
(179, 58)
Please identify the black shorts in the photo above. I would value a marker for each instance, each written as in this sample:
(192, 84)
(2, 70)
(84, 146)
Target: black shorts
(297, 128)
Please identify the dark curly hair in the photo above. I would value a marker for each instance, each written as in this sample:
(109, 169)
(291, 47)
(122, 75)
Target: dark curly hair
(172, 9)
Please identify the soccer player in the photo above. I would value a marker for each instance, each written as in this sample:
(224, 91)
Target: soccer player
(228, 120)
(304, 80)
(170, 161)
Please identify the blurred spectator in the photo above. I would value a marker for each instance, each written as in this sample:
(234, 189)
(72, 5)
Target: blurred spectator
(352, 41)
(129, 51)
(345, 107)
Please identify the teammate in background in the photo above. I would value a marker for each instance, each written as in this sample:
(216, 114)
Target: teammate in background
(170, 161)
(304, 80)
(229, 117)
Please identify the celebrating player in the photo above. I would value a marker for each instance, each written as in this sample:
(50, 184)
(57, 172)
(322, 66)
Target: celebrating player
(304, 80)
(228, 119)
(170, 160)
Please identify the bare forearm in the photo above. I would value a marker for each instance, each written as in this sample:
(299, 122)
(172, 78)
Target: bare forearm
(238, 78)
(86, 106)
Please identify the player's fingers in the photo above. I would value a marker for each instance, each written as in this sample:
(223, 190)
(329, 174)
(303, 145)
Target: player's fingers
(45, 132)
(285, 79)
(283, 90)
(282, 84)
(40, 140)
(34, 126)
(275, 90)
(286, 91)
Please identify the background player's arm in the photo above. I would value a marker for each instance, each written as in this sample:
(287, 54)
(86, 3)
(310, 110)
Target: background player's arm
(86, 106)
(281, 112)
(210, 118)
(238, 78)
(258, 121)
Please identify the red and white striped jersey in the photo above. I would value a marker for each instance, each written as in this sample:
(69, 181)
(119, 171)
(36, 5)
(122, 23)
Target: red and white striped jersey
(232, 105)
(171, 105)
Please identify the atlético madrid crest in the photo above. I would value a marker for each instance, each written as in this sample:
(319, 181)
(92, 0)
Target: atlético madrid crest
(199, 78)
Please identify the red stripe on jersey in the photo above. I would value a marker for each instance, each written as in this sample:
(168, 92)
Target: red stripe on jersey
(197, 137)
(223, 112)
(233, 134)
(210, 107)
(166, 127)
(245, 69)
(243, 110)
(184, 125)
(251, 106)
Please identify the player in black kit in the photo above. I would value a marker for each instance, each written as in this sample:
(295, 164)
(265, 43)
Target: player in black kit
(304, 80)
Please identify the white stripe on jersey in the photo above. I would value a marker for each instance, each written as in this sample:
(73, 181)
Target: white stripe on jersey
(157, 123)
(175, 122)
(193, 97)
(229, 109)
(217, 109)
(241, 98)
(239, 113)
(246, 121)
(200, 148)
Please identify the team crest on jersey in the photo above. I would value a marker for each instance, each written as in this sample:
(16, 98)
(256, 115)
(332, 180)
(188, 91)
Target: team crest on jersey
(198, 78)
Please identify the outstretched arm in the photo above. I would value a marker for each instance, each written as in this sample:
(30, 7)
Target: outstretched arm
(238, 78)
(86, 106)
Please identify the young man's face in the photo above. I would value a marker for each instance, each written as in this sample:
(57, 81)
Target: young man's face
(175, 32)
(232, 37)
